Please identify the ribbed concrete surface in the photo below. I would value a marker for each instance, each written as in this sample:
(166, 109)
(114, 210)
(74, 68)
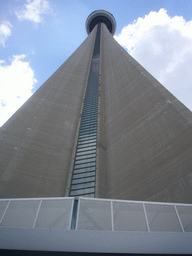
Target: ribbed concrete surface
(148, 132)
(144, 147)
(37, 143)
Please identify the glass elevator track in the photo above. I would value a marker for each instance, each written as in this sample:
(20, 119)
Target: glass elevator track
(84, 170)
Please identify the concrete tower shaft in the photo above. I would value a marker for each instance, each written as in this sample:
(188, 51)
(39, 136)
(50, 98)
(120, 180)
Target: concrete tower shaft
(39, 141)
(145, 132)
(142, 139)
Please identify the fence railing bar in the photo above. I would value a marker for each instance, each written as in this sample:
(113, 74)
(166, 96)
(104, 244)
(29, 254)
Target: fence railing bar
(75, 213)
(112, 220)
(37, 213)
(148, 228)
(71, 213)
(5, 211)
(179, 218)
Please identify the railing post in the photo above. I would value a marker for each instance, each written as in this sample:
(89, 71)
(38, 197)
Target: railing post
(148, 228)
(112, 220)
(179, 218)
(74, 214)
(38, 209)
(5, 210)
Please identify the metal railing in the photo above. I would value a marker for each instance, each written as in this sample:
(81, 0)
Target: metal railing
(95, 214)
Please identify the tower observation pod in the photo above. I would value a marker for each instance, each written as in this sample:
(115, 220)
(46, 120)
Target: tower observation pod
(100, 16)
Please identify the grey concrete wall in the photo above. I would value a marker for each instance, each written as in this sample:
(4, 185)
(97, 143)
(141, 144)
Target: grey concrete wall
(144, 145)
(37, 142)
(148, 132)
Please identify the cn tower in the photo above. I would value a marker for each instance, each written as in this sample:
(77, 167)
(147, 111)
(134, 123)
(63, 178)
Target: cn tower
(101, 126)
(98, 160)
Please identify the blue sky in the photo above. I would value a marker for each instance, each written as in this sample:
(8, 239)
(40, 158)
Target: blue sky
(37, 36)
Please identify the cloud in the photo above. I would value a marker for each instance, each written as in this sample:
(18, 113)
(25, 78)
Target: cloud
(34, 10)
(163, 45)
(16, 83)
(5, 31)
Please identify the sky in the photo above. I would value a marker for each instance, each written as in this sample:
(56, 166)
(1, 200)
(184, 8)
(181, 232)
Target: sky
(37, 36)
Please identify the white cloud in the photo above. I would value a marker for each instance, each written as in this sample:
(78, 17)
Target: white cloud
(33, 10)
(16, 83)
(5, 31)
(163, 45)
